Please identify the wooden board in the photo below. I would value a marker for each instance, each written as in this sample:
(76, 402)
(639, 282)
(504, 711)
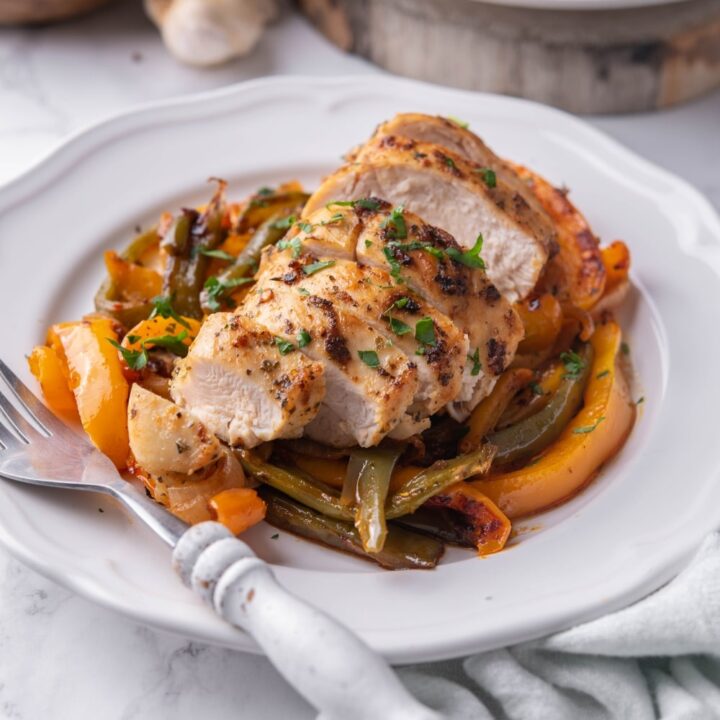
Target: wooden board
(593, 61)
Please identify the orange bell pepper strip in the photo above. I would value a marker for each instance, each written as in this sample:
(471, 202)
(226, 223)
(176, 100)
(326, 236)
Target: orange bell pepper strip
(485, 526)
(97, 382)
(158, 326)
(51, 372)
(594, 436)
(133, 282)
(542, 318)
(238, 509)
(616, 258)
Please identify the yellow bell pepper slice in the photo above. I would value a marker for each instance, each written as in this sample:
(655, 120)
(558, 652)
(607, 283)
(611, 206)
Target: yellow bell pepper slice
(97, 381)
(51, 372)
(594, 436)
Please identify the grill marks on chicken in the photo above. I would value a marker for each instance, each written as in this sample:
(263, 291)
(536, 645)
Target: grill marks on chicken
(468, 312)
(366, 320)
(370, 294)
(453, 191)
(369, 382)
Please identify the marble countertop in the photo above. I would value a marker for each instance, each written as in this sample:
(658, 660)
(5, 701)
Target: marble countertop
(61, 656)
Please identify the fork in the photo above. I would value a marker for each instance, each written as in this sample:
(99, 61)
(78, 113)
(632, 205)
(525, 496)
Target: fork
(322, 659)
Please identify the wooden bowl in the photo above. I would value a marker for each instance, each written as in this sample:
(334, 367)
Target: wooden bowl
(40, 11)
(587, 61)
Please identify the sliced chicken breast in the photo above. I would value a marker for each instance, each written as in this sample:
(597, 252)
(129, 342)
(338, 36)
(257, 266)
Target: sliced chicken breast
(238, 382)
(460, 141)
(419, 262)
(370, 294)
(452, 193)
(370, 384)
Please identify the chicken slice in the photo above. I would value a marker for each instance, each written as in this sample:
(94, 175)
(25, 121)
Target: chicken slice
(460, 141)
(420, 263)
(369, 383)
(450, 192)
(236, 380)
(369, 293)
(466, 295)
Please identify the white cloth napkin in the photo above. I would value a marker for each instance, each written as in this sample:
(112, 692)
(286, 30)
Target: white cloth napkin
(656, 660)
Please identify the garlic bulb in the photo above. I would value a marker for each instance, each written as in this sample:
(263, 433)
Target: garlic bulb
(208, 32)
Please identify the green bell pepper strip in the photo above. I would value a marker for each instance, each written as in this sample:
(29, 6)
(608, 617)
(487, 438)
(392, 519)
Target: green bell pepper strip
(186, 266)
(372, 469)
(298, 485)
(107, 301)
(403, 548)
(533, 434)
(436, 478)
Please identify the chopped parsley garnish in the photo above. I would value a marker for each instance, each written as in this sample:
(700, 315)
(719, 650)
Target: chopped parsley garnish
(460, 123)
(265, 191)
(395, 225)
(368, 243)
(417, 245)
(536, 389)
(138, 359)
(294, 244)
(587, 428)
(394, 265)
(303, 291)
(470, 258)
(448, 161)
(219, 254)
(419, 155)
(370, 358)
(275, 536)
(488, 176)
(303, 338)
(640, 400)
(317, 266)
(306, 227)
(425, 331)
(602, 374)
(364, 203)
(284, 346)
(216, 289)
(400, 303)
(398, 326)
(625, 348)
(574, 365)
(475, 360)
(284, 223)
(132, 339)
(173, 343)
(134, 359)
(336, 218)
(162, 306)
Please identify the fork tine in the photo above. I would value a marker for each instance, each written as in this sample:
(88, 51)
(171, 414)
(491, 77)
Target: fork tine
(11, 416)
(7, 439)
(37, 411)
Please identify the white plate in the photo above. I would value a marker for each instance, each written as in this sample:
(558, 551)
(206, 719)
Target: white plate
(629, 532)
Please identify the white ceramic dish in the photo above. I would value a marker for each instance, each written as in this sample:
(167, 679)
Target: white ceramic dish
(629, 532)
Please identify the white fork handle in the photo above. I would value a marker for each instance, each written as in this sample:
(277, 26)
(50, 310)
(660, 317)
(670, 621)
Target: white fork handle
(326, 663)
